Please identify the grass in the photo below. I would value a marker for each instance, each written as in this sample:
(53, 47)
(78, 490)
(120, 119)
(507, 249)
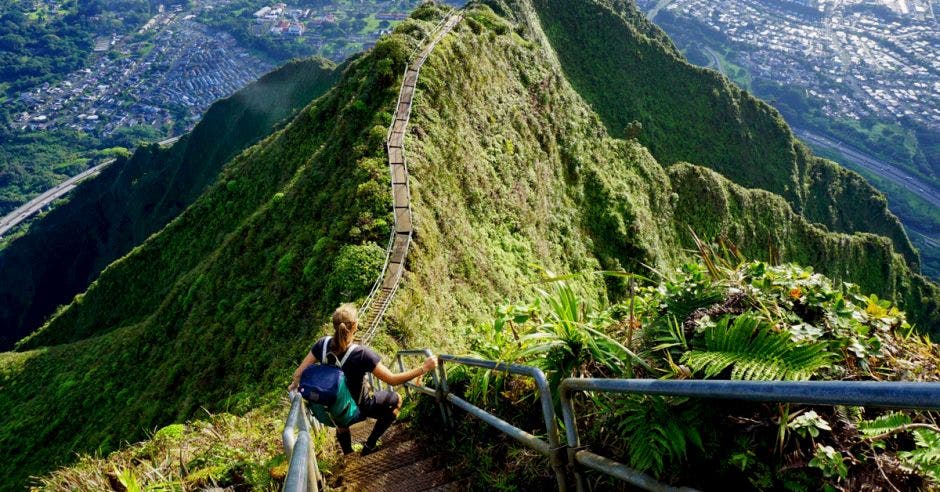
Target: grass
(510, 168)
(216, 450)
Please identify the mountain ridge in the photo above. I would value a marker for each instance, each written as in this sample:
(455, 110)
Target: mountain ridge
(136, 197)
(509, 167)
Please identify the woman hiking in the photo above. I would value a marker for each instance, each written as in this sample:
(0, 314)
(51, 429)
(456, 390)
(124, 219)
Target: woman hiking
(383, 406)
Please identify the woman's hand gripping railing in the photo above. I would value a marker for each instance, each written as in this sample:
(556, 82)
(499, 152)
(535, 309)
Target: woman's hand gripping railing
(551, 448)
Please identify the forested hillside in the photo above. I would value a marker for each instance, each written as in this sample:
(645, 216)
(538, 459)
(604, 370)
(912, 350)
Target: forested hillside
(512, 172)
(685, 113)
(105, 218)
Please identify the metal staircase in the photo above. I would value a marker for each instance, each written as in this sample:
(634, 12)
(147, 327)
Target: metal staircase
(383, 291)
(402, 463)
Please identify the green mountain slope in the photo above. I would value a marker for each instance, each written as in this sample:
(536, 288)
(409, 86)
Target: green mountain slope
(510, 167)
(104, 218)
(627, 70)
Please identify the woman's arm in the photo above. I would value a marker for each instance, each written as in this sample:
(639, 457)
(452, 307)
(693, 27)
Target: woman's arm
(308, 361)
(393, 379)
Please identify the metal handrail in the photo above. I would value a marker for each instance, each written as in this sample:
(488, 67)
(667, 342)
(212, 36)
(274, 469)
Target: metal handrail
(434, 36)
(303, 474)
(437, 391)
(856, 393)
(552, 448)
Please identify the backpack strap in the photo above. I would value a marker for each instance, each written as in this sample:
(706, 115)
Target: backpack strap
(349, 351)
(326, 343)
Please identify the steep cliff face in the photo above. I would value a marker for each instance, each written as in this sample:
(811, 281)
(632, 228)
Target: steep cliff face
(511, 170)
(104, 218)
(628, 71)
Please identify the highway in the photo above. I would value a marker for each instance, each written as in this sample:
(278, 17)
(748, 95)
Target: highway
(894, 174)
(715, 61)
(36, 204)
(47, 197)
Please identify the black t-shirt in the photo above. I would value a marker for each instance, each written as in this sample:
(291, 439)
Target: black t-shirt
(359, 363)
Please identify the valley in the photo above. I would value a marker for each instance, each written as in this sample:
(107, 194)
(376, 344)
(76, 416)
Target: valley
(856, 77)
(581, 200)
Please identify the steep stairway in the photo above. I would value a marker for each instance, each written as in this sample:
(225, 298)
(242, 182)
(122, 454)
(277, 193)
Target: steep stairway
(403, 463)
(383, 291)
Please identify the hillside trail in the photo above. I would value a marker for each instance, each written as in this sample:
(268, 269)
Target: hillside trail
(402, 462)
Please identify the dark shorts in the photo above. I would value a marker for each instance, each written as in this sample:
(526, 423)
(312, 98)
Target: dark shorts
(378, 404)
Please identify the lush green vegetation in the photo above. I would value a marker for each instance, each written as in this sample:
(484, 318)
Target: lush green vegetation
(920, 217)
(718, 318)
(219, 450)
(700, 117)
(136, 197)
(36, 161)
(509, 168)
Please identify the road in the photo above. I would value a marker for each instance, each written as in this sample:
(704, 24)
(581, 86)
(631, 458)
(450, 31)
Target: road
(715, 61)
(36, 204)
(902, 178)
(47, 197)
(168, 142)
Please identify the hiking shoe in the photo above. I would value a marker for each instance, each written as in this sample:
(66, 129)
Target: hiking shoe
(367, 450)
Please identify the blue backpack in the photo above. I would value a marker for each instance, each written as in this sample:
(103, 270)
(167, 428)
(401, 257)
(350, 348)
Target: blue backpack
(323, 385)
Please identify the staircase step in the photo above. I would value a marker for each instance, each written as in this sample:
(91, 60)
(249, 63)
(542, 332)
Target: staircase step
(362, 469)
(420, 475)
(455, 486)
(395, 434)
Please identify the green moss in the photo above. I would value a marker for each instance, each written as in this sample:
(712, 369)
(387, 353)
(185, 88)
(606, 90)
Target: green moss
(215, 310)
(628, 70)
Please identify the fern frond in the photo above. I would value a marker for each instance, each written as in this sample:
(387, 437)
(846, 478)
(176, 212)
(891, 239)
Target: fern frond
(754, 351)
(884, 424)
(658, 430)
(925, 459)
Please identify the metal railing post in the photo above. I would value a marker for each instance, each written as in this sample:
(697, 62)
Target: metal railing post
(296, 480)
(552, 449)
(287, 435)
(573, 439)
(303, 474)
(551, 426)
(442, 391)
(401, 368)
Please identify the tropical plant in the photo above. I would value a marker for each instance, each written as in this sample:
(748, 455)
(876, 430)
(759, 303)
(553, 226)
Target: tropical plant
(654, 430)
(750, 347)
(830, 462)
(924, 459)
(570, 338)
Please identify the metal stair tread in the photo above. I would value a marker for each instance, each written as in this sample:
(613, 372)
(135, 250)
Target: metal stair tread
(418, 476)
(453, 486)
(386, 458)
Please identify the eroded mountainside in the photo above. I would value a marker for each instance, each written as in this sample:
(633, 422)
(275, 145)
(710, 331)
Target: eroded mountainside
(510, 166)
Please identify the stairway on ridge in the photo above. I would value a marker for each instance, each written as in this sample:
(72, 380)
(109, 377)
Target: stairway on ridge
(402, 463)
